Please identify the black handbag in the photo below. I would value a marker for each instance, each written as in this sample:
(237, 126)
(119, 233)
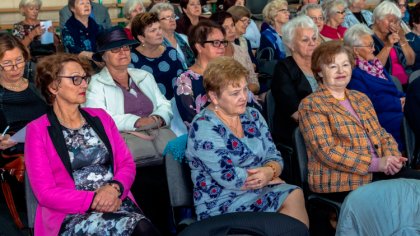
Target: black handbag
(266, 61)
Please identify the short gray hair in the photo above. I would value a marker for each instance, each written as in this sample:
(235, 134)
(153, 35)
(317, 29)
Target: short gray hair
(304, 10)
(270, 10)
(24, 3)
(130, 5)
(385, 8)
(351, 2)
(160, 7)
(354, 33)
(289, 29)
(330, 7)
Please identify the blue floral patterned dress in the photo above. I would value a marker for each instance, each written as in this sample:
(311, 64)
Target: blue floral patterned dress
(219, 165)
(92, 169)
(191, 97)
(77, 38)
(165, 68)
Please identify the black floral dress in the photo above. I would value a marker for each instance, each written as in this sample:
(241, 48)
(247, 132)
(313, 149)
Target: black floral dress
(92, 169)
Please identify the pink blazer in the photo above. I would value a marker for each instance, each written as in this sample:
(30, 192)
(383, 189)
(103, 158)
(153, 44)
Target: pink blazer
(48, 172)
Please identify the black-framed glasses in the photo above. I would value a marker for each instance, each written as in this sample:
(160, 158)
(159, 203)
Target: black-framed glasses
(340, 12)
(17, 65)
(124, 48)
(317, 19)
(171, 17)
(77, 79)
(371, 45)
(246, 21)
(217, 43)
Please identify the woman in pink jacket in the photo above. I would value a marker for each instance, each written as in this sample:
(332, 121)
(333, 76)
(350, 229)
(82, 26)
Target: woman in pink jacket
(79, 167)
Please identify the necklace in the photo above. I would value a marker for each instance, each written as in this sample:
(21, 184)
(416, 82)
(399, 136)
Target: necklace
(83, 121)
(235, 126)
(342, 99)
(16, 86)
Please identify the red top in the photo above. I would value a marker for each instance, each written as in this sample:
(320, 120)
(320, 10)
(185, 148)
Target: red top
(332, 33)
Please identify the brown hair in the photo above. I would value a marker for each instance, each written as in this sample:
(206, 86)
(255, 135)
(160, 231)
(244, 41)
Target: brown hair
(200, 32)
(222, 72)
(325, 54)
(9, 42)
(141, 21)
(49, 68)
(238, 12)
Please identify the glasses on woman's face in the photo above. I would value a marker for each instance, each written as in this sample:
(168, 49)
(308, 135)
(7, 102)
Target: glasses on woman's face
(284, 10)
(317, 19)
(341, 12)
(168, 18)
(217, 43)
(245, 21)
(77, 79)
(8, 66)
(370, 45)
(124, 48)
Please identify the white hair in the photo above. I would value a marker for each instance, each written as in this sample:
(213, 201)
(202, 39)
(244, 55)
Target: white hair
(384, 9)
(330, 7)
(304, 10)
(164, 6)
(130, 6)
(271, 9)
(289, 29)
(353, 35)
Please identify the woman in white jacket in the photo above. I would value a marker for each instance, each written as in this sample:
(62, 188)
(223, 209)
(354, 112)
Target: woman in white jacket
(131, 96)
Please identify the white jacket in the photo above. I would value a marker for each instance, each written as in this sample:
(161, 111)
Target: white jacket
(104, 93)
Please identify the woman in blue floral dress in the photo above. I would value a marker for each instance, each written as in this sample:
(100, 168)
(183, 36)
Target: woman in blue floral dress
(152, 56)
(190, 95)
(235, 166)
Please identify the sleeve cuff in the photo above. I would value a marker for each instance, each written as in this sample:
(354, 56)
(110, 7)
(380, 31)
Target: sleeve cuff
(119, 185)
(374, 165)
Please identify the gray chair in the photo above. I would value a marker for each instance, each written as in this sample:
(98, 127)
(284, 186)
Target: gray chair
(271, 107)
(410, 143)
(397, 83)
(241, 223)
(302, 159)
(413, 76)
(31, 204)
(256, 7)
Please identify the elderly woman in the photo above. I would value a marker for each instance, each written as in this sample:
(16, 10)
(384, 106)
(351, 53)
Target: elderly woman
(356, 13)
(232, 50)
(79, 168)
(293, 79)
(79, 32)
(152, 56)
(29, 30)
(334, 12)
(131, 9)
(346, 145)
(370, 78)
(166, 14)
(314, 11)
(209, 43)
(276, 14)
(20, 103)
(391, 46)
(238, 168)
(413, 37)
(191, 15)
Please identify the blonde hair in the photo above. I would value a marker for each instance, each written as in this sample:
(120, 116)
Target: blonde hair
(222, 72)
(270, 10)
(25, 3)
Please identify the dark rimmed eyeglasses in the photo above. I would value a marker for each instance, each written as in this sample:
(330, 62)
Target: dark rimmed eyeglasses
(317, 19)
(124, 48)
(245, 21)
(217, 43)
(172, 17)
(77, 79)
(340, 12)
(17, 65)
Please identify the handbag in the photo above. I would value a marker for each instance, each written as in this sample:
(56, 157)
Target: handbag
(266, 64)
(147, 144)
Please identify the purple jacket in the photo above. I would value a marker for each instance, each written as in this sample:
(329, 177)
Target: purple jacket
(49, 168)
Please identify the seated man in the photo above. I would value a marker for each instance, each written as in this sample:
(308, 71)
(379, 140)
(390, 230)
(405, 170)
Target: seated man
(99, 13)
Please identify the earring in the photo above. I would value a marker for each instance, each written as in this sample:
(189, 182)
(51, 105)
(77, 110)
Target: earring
(216, 107)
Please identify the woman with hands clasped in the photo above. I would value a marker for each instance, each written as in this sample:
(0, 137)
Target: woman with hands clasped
(235, 166)
(391, 46)
(346, 145)
(78, 165)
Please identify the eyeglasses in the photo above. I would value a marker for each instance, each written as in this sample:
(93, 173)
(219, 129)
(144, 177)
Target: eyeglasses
(217, 43)
(371, 45)
(77, 79)
(17, 65)
(172, 17)
(245, 21)
(316, 19)
(340, 12)
(283, 10)
(124, 48)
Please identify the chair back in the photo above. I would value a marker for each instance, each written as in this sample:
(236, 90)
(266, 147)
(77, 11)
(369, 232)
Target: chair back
(256, 6)
(397, 83)
(409, 140)
(414, 76)
(271, 107)
(31, 202)
(180, 185)
(302, 158)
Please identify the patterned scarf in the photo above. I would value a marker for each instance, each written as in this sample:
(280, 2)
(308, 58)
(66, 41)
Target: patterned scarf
(374, 67)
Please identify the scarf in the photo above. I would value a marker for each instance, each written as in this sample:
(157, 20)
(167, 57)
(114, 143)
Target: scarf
(271, 34)
(374, 67)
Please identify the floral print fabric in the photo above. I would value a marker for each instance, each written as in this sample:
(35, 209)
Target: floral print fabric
(219, 165)
(92, 169)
